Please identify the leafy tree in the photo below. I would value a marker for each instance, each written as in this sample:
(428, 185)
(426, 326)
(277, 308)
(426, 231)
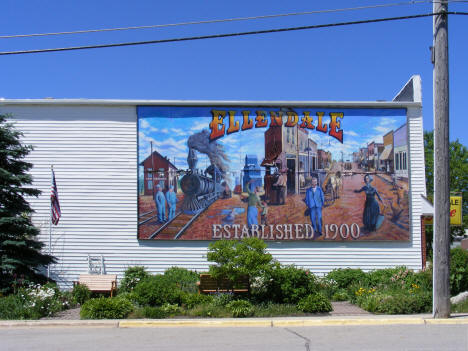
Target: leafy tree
(235, 259)
(458, 179)
(20, 252)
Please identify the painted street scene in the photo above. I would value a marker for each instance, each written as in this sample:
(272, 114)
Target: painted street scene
(283, 174)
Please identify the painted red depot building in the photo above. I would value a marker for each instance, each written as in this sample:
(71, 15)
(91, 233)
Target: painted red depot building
(158, 169)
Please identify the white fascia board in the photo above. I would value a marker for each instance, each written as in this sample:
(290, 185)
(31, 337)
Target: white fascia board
(111, 102)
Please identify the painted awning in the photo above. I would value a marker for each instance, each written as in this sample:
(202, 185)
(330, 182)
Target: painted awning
(386, 153)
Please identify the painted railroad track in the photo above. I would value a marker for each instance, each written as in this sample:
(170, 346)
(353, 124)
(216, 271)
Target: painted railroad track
(173, 229)
(147, 216)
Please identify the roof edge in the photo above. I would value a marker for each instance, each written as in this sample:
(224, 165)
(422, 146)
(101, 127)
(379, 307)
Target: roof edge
(120, 102)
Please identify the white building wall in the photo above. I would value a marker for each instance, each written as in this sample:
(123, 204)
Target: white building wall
(93, 148)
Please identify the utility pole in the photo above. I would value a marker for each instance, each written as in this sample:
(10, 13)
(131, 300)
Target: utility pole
(441, 264)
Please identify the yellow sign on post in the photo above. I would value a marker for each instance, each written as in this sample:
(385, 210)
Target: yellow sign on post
(455, 210)
(456, 217)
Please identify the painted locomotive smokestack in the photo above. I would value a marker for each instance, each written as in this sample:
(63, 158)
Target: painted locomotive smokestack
(215, 152)
(192, 159)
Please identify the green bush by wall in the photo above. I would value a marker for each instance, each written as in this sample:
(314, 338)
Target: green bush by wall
(106, 308)
(157, 290)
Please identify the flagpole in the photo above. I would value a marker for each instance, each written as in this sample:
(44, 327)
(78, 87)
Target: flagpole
(50, 217)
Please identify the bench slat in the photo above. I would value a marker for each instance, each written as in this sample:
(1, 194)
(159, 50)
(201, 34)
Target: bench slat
(208, 284)
(99, 283)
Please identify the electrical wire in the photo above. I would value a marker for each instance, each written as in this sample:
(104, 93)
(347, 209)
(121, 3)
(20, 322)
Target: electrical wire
(223, 20)
(225, 35)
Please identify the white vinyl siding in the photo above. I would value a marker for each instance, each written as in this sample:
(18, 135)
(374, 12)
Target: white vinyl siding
(93, 148)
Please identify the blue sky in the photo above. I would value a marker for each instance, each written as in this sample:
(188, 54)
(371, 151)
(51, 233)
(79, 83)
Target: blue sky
(362, 62)
(169, 134)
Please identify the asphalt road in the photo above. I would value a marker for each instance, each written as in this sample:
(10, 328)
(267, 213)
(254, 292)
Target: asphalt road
(386, 337)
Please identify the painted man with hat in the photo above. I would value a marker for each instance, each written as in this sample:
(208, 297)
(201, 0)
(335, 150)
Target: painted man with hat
(171, 198)
(281, 184)
(314, 200)
(160, 202)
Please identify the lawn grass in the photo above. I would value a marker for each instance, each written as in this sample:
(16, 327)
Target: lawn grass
(277, 310)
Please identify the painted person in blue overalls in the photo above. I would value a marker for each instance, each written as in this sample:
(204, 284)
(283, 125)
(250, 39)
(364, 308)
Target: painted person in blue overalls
(160, 202)
(171, 202)
(314, 201)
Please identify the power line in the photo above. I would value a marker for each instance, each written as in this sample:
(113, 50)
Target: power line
(225, 35)
(221, 20)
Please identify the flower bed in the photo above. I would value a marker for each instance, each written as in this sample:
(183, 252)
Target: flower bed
(275, 290)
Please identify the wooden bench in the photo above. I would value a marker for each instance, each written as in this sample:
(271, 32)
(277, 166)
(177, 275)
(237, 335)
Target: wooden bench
(101, 283)
(208, 284)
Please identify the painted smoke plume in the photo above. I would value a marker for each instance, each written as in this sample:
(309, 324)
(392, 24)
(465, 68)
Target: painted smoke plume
(215, 152)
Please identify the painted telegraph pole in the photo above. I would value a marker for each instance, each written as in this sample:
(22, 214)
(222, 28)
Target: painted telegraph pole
(441, 294)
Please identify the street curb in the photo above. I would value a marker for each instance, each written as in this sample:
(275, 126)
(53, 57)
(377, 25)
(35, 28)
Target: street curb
(448, 321)
(346, 322)
(229, 323)
(60, 324)
(217, 323)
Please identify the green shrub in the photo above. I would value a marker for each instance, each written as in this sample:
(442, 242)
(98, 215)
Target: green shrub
(328, 287)
(13, 307)
(45, 300)
(286, 284)
(314, 303)
(106, 308)
(132, 276)
(156, 290)
(458, 271)
(170, 309)
(154, 312)
(235, 259)
(340, 295)
(68, 301)
(276, 309)
(461, 307)
(185, 279)
(397, 302)
(422, 278)
(81, 293)
(388, 276)
(130, 296)
(240, 308)
(344, 277)
(192, 300)
(208, 310)
(222, 299)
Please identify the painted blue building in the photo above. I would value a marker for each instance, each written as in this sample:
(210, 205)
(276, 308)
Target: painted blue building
(251, 171)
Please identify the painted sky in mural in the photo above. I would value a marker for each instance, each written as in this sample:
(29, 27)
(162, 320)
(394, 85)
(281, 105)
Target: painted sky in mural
(276, 173)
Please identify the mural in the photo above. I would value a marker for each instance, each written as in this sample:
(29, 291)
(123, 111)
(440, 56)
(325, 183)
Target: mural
(208, 173)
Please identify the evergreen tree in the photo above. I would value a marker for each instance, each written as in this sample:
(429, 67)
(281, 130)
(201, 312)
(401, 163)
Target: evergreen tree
(20, 252)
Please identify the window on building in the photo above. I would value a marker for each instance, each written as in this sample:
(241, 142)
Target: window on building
(150, 184)
(401, 161)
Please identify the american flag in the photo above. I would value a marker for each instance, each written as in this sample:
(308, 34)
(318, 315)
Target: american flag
(54, 202)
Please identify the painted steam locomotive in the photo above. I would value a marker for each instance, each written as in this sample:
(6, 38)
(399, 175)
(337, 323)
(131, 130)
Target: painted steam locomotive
(200, 189)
